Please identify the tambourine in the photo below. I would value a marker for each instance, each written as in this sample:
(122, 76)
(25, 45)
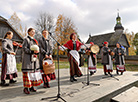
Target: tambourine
(95, 48)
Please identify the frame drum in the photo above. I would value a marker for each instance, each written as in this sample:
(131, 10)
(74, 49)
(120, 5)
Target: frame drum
(95, 48)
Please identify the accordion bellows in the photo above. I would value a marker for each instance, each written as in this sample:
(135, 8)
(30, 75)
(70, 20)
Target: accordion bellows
(34, 48)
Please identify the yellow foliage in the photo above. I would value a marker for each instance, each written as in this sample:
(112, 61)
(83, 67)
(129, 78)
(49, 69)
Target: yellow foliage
(64, 27)
(130, 38)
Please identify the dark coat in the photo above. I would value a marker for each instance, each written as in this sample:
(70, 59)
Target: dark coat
(7, 46)
(105, 55)
(116, 55)
(27, 64)
(45, 46)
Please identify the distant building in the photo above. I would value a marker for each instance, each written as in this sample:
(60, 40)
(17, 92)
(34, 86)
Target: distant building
(112, 38)
(6, 26)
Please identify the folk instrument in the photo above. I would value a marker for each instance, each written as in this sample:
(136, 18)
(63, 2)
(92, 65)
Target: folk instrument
(17, 44)
(95, 48)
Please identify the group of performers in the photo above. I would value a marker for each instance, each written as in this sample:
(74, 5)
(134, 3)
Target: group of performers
(118, 58)
(32, 70)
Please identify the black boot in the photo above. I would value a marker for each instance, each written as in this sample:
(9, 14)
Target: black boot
(26, 91)
(74, 79)
(121, 73)
(105, 73)
(3, 83)
(12, 81)
(32, 89)
(91, 73)
(71, 79)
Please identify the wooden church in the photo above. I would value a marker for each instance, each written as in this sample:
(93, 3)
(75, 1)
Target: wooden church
(6, 26)
(112, 38)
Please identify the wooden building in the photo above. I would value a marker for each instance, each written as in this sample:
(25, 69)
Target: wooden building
(6, 26)
(112, 38)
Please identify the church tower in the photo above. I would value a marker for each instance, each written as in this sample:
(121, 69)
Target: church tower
(118, 25)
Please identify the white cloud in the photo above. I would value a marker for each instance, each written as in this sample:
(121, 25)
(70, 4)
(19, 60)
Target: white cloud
(89, 16)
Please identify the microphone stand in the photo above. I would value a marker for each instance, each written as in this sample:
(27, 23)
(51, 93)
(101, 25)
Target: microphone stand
(88, 77)
(58, 95)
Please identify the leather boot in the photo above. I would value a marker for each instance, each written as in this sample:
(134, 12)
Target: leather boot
(71, 79)
(32, 89)
(74, 79)
(91, 73)
(3, 83)
(26, 91)
(105, 73)
(12, 81)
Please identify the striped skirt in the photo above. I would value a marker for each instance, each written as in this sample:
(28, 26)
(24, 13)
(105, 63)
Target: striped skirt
(29, 83)
(74, 67)
(47, 77)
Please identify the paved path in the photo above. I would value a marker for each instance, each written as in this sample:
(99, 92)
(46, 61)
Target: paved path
(71, 92)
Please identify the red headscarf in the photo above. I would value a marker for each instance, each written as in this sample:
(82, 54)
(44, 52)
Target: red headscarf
(105, 43)
(91, 43)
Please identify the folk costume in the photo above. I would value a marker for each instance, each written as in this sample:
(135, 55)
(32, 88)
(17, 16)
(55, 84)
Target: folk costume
(31, 74)
(73, 56)
(92, 61)
(106, 59)
(9, 70)
(119, 60)
(45, 49)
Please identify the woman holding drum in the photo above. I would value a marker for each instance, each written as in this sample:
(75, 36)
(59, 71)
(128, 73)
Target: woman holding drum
(92, 60)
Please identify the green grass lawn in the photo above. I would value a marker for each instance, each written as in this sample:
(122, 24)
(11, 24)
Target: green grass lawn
(65, 64)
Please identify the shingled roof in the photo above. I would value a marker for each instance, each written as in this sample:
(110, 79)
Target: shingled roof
(112, 38)
(3, 20)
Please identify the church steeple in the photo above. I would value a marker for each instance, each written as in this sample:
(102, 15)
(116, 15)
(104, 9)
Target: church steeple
(118, 25)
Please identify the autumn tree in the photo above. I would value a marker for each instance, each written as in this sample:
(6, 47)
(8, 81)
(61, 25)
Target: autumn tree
(16, 23)
(135, 42)
(44, 21)
(130, 37)
(64, 27)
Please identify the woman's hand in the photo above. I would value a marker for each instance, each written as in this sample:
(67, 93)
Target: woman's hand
(13, 53)
(119, 53)
(50, 57)
(46, 56)
(36, 51)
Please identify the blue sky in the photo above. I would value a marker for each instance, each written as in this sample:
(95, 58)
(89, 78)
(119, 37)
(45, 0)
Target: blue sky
(89, 16)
